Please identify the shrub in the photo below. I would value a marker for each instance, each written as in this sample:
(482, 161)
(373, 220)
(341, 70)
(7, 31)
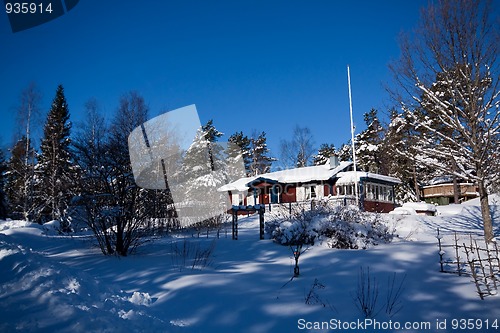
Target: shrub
(343, 227)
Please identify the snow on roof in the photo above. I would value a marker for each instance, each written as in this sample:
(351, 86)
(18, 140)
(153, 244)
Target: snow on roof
(239, 185)
(306, 174)
(297, 175)
(440, 180)
(350, 176)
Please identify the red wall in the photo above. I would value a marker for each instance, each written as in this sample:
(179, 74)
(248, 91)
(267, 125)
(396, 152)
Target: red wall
(289, 194)
(378, 207)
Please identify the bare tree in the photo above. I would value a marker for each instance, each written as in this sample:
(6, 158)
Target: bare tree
(299, 151)
(28, 113)
(450, 72)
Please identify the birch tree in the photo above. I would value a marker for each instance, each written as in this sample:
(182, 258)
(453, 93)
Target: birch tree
(449, 71)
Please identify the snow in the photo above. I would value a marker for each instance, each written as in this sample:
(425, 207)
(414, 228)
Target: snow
(290, 176)
(349, 177)
(60, 283)
(420, 206)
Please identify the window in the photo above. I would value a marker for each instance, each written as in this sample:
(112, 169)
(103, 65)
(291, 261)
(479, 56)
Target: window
(379, 192)
(310, 192)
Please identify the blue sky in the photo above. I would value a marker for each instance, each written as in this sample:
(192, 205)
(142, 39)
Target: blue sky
(249, 65)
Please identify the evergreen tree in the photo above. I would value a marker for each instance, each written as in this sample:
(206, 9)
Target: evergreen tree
(55, 169)
(211, 135)
(19, 180)
(204, 169)
(368, 142)
(259, 152)
(3, 195)
(240, 145)
(345, 152)
(325, 151)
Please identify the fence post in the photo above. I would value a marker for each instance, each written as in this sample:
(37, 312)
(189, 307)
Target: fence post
(441, 252)
(235, 224)
(480, 260)
(261, 221)
(457, 255)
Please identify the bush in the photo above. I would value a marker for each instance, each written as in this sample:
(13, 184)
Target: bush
(342, 227)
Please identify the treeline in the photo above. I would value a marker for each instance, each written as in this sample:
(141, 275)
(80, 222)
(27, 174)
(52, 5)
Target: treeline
(85, 171)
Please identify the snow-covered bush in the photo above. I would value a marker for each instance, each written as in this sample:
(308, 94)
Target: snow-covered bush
(343, 227)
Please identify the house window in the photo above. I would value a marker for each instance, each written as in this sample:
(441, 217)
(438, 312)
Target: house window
(378, 192)
(310, 192)
(370, 195)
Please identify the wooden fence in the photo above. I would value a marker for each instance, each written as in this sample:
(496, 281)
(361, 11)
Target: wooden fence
(465, 255)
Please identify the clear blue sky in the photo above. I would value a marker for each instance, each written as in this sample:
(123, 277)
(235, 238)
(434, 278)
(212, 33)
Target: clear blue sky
(249, 65)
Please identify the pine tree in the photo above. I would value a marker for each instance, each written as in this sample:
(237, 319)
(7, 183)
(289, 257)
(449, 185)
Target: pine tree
(19, 180)
(240, 145)
(368, 142)
(399, 145)
(204, 169)
(55, 170)
(3, 195)
(259, 152)
(211, 135)
(325, 151)
(345, 151)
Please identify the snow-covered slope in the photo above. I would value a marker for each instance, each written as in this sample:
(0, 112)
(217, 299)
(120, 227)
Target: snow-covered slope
(52, 283)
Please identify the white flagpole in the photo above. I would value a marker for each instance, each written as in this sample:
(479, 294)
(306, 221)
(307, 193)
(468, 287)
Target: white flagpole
(352, 139)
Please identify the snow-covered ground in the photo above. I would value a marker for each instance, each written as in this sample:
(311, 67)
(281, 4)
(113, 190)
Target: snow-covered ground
(53, 283)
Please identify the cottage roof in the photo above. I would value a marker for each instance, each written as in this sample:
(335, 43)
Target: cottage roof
(290, 176)
(350, 176)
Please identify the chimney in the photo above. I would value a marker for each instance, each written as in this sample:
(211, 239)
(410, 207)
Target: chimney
(334, 161)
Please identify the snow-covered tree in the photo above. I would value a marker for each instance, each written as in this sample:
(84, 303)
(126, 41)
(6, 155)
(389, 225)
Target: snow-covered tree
(325, 151)
(19, 185)
(450, 70)
(239, 145)
(204, 170)
(368, 144)
(3, 195)
(54, 169)
(399, 146)
(345, 151)
(259, 153)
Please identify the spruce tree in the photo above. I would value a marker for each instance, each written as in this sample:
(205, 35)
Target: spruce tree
(19, 180)
(368, 143)
(3, 196)
(240, 144)
(54, 164)
(325, 151)
(259, 152)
